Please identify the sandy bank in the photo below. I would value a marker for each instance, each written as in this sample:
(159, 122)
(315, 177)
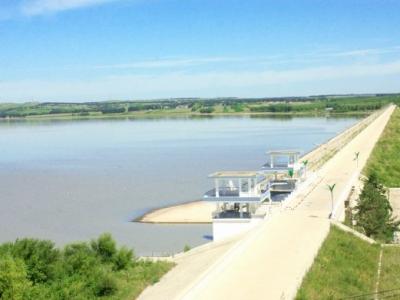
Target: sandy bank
(191, 212)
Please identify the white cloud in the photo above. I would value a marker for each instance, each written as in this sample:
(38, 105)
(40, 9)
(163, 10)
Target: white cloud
(328, 79)
(281, 59)
(170, 63)
(362, 52)
(39, 7)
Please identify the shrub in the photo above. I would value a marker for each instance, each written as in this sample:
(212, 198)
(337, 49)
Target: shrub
(33, 269)
(72, 287)
(40, 258)
(6, 249)
(79, 258)
(104, 247)
(13, 280)
(105, 285)
(123, 259)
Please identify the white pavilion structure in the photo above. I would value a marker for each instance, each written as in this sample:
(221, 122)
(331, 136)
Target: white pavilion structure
(243, 198)
(238, 196)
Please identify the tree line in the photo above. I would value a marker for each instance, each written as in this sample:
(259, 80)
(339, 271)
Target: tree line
(272, 105)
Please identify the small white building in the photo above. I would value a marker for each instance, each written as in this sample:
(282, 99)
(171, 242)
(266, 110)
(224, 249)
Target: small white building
(238, 196)
(284, 162)
(243, 198)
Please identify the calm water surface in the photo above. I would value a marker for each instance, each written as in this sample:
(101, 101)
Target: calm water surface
(72, 180)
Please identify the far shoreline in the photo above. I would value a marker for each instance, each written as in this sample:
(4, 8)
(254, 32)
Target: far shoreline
(158, 114)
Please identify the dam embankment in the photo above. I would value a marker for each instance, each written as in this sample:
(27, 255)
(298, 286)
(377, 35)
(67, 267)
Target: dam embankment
(197, 212)
(270, 261)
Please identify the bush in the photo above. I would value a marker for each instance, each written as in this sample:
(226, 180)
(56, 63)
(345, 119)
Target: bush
(39, 257)
(13, 278)
(123, 259)
(105, 247)
(106, 285)
(33, 269)
(79, 258)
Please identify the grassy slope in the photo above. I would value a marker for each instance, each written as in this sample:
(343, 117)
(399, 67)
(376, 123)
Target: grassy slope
(390, 270)
(345, 266)
(133, 281)
(385, 158)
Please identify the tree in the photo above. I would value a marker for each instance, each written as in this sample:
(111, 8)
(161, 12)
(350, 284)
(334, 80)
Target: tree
(373, 211)
(331, 187)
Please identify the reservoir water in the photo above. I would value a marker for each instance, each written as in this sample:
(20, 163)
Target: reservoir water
(72, 180)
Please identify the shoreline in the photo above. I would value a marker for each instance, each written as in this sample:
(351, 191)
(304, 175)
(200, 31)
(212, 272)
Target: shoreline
(199, 211)
(172, 114)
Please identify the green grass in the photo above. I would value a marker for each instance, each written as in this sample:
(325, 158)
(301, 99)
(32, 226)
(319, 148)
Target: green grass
(345, 266)
(133, 281)
(385, 158)
(390, 269)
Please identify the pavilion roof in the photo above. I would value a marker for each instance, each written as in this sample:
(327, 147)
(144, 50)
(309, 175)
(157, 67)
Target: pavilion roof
(284, 152)
(235, 174)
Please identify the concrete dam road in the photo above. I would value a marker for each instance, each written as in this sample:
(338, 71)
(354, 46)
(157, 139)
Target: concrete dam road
(268, 263)
(271, 260)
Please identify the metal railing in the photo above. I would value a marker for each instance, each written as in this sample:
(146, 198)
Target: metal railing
(231, 214)
(230, 192)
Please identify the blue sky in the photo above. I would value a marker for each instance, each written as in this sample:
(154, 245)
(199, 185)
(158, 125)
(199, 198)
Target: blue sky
(81, 50)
